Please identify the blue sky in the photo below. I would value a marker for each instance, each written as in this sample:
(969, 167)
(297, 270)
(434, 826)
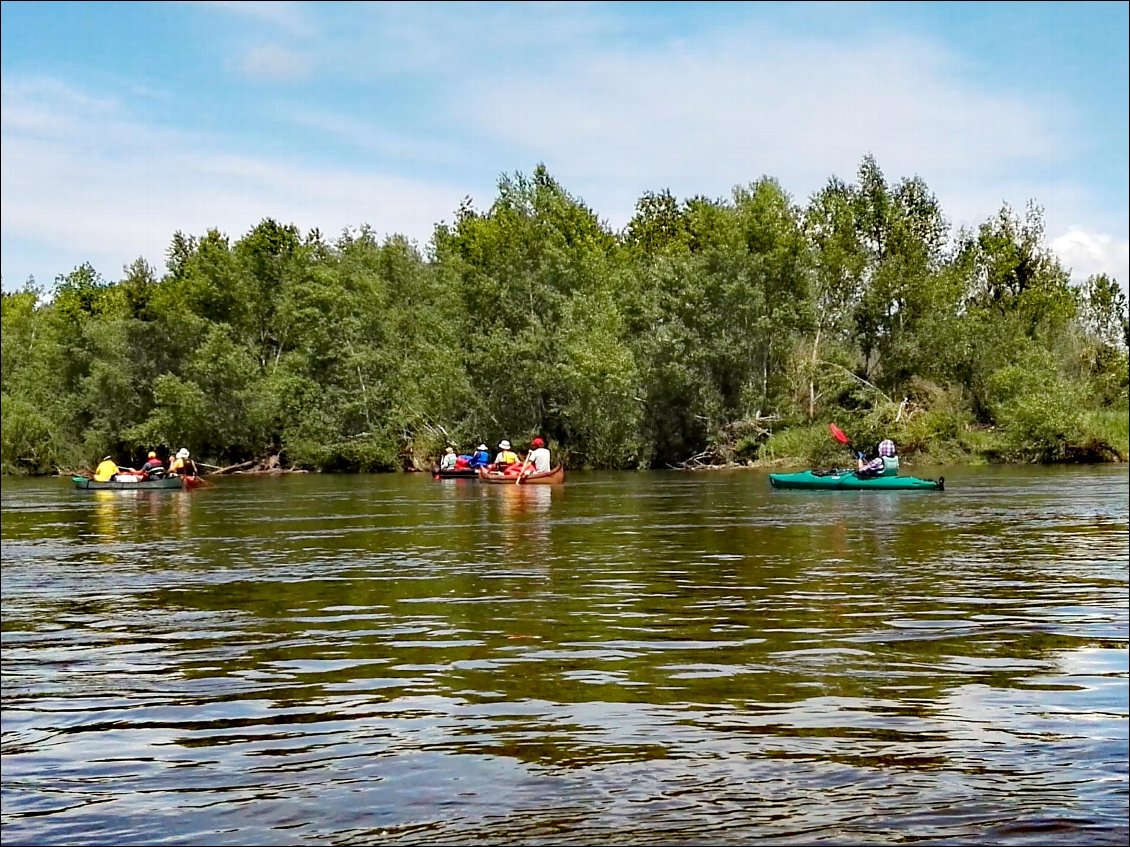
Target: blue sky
(125, 122)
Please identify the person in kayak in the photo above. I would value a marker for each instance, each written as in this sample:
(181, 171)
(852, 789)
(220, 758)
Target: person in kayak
(890, 457)
(884, 463)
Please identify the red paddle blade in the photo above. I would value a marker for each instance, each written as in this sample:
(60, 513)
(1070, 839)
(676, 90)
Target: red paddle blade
(838, 434)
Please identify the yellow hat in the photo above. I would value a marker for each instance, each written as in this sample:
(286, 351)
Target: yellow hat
(152, 455)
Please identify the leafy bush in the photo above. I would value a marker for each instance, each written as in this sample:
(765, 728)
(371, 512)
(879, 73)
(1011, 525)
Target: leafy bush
(1106, 436)
(28, 445)
(1037, 409)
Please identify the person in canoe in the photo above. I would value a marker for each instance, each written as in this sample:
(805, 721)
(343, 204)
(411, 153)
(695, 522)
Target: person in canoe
(153, 468)
(481, 457)
(182, 464)
(107, 469)
(506, 457)
(448, 460)
(538, 459)
(884, 463)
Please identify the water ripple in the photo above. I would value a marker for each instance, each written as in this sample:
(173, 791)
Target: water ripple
(627, 659)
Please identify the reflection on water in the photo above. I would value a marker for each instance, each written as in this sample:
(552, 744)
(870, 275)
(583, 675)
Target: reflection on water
(140, 515)
(627, 658)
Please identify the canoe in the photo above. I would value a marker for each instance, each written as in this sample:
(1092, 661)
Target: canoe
(455, 473)
(171, 482)
(549, 477)
(847, 480)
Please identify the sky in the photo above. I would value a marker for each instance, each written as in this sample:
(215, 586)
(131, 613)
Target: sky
(124, 123)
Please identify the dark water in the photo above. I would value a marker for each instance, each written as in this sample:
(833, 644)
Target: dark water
(656, 658)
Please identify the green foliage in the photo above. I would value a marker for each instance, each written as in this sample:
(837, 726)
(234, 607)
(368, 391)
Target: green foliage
(28, 442)
(593, 383)
(179, 419)
(939, 416)
(689, 335)
(1038, 409)
(1106, 434)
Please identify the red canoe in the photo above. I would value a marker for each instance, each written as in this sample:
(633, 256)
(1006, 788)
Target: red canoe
(549, 477)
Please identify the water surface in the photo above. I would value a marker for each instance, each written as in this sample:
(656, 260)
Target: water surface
(653, 658)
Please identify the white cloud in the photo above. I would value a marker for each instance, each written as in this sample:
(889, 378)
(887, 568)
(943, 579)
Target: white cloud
(272, 63)
(701, 121)
(362, 135)
(127, 188)
(1091, 253)
(693, 117)
(288, 17)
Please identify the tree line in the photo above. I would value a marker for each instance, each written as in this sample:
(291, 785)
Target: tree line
(707, 331)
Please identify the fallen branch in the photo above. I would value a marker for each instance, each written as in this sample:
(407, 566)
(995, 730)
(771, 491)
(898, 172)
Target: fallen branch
(857, 378)
(238, 467)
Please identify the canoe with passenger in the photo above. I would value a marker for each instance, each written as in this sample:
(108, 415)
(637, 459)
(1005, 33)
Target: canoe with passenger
(550, 477)
(130, 482)
(462, 465)
(153, 475)
(536, 468)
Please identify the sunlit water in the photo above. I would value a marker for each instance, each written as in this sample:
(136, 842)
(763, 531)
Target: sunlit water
(656, 658)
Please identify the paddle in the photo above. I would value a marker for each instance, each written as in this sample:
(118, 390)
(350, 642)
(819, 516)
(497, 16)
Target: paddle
(841, 437)
(525, 463)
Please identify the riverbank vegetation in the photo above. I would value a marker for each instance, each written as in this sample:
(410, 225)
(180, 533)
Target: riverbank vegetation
(708, 332)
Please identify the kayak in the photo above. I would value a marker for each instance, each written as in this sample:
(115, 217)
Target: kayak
(171, 482)
(847, 480)
(549, 477)
(455, 473)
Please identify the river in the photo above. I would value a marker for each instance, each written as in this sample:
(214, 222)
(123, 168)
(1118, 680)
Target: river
(628, 658)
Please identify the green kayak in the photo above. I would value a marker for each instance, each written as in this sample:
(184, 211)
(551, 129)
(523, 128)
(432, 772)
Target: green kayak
(846, 480)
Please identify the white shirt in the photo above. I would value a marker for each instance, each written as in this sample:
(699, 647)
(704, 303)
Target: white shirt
(539, 458)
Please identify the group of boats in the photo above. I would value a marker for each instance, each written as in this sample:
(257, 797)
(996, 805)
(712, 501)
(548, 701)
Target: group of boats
(829, 480)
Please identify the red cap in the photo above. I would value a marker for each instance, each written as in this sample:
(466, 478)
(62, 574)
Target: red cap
(537, 442)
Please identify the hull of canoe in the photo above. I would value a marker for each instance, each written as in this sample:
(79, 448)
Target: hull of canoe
(549, 477)
(455, 473)
(175, 482)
